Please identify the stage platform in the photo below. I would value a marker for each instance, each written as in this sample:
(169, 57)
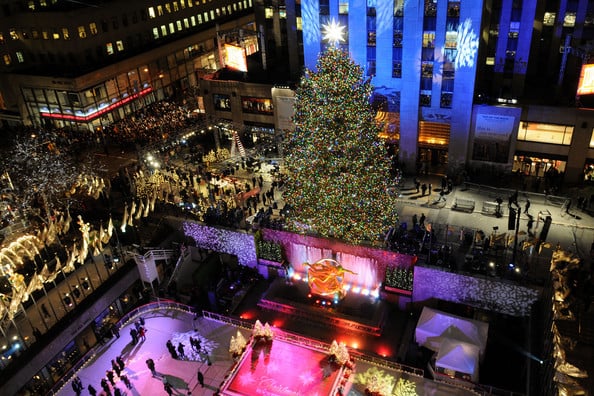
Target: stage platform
(354, 313)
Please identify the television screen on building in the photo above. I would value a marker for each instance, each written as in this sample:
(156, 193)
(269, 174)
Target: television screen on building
(586, 83)
(235, 58)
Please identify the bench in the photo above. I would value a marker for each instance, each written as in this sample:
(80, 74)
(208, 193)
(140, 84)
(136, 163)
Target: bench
(490, 208)
(465, 205)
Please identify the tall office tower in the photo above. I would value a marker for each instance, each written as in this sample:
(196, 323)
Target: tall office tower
(85, 64)
(470, 84)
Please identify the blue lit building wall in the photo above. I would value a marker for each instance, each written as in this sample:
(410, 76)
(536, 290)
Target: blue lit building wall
(406, 87)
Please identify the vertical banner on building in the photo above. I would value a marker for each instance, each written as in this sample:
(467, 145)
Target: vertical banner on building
(284, 102)
(492, 137)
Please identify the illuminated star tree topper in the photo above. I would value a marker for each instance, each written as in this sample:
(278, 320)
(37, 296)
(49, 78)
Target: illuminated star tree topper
(339, 182)
(333, 32)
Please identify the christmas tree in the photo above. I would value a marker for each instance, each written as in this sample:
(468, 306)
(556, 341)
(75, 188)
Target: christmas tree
(339, 182)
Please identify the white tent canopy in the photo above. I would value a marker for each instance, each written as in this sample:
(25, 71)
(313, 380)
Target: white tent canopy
(435, 326)
(458, 356)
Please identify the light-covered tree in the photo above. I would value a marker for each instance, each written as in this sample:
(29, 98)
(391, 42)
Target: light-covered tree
(339, 182)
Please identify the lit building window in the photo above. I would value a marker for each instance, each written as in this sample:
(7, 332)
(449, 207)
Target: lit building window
(299, 23)
(343, 6)
(45, 35)
(268, 12)
(1, 38)
(151, 12)
(93, 28)
(13, 34)
(218, 12)
(7, 60)
(490, 61)
(229, 9)
(20, 57)
(451, 38)
(212, 14)
(182, 3)
(398, 8)
(592, 139)
(569, 20)
(163, 30)
(160, 10)
(545, 133)
(175, 6)
(120, 45)
(168, 8)
(65, 34)
(155, 33)
(82, 33)
(205, 17)
(179, 25)
(171, 28)
(193, 20)
(245, 4)
(549, 18)
(190, 3)
(199, 17)
(514, 29)
(31, 5)
(428, 39)
(109, 48)
(425, 98)
(56, 35)
(186, 23)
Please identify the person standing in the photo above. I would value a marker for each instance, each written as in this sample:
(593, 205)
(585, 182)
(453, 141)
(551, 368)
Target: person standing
(109, 375)
(92, 391)
(116, 367)
(126, 381)
(201, 378)
(121, 363)
(151, 365)
(422, 220)
(142, 333)
(180, 350)
(527, 206)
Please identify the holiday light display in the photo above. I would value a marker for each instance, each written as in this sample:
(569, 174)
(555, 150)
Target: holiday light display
(338, 171)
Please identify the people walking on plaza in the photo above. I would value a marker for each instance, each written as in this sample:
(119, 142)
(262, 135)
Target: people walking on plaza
(167, 387)
(415, 221)
(151, 365)
(422, 220)
(110, 377)
(126, 381)
(121, 363)
(201, 378)
(105, 386)
(527, 206)
(417, 184)
(92, 391)
(423, 189)
(142, 333)
(117, 392)
(171, 349)
(180, 350)
(77, 386)
(430, 188)
(115, 367)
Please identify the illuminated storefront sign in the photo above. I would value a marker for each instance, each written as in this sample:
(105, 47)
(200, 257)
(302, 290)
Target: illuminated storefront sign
(235, 58)
(586, 82)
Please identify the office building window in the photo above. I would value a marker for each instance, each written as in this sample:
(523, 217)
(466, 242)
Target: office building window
(569, 20)
(397, 69)
(65, 34)
(151, 12)
(13, 34)
(454, 8)
(179, 25)
(446, 100)
(343, 6)
(82, 33)
(182, 3)
(19, 56)
(193, 20)
(34, 35)
(186, 23)
(549, 18)
(430, 8)
(398, 8)
(160, 10)
(7, 59)
(120, 45)
(55, 35)
(428, 39)
(175, 6)
(545, 133)
(199, 17)
(171, 28)
(155, 33)
(45, 34)
(163, 30)
(397, 39)
(109, 48)
(514, 30)
(425, 98)
(324, 7)
(168, 8)
(222, 102)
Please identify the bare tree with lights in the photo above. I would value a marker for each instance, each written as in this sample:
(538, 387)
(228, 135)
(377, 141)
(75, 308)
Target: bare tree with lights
(46, 177)
(339, 182)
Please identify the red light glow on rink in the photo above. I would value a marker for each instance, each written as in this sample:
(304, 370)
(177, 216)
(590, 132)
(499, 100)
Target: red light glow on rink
(280, 368)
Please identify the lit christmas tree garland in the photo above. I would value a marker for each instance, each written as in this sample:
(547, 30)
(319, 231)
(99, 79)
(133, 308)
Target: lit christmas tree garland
(339, 174)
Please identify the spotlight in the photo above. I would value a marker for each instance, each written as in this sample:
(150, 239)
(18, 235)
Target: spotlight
(511, 265)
